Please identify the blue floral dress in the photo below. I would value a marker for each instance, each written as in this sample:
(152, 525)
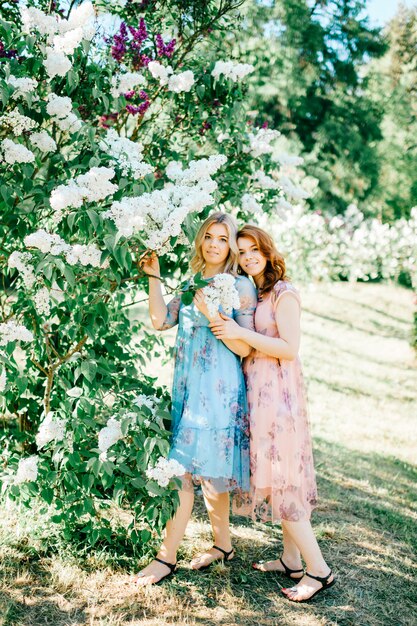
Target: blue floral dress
(210, 434)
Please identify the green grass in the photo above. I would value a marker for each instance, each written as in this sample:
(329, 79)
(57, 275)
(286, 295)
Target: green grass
(362, 387)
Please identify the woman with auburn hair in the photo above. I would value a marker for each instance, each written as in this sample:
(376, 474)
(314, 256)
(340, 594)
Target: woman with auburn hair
(283, 486)
(209, 409)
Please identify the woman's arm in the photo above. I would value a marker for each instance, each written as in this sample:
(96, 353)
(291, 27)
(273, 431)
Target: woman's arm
(158, 310)
(285, 347)
(239, 347)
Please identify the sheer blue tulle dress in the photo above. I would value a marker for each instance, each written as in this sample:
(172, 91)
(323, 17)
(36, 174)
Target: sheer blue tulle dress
(210, 433)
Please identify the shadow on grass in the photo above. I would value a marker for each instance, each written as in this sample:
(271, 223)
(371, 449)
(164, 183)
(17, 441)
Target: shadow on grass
(366, 526)
(367, 307)
(377, 329)
(26, 599)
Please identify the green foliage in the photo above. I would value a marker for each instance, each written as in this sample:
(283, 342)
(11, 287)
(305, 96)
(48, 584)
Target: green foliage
(86, 369)
(310, 58)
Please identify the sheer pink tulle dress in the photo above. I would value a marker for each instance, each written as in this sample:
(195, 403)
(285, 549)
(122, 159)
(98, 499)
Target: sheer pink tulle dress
(283, 484)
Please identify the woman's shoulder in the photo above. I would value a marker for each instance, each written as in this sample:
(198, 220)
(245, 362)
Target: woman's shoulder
(244, 283)
(284, 286)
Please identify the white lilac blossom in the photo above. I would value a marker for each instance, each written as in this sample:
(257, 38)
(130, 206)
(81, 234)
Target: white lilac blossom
(17, 122)
(43, 141)
(221, 293)
(70, 124)
(164, 470)
(27, 470)
(108, 436)
(22, 86)
(12, 153)
(297, 193)
(250, 204)
(33, 19)
(60, 110)
(181, 82)
(230, 69)
(67, 43)
(56, 63)
(196, 170)
(63, 35)
(22, 262)
(42, 301)
(127, 154)
(93, 186)
(10, 331)
(50, 429)
(85, 254)
(58, 106)
(159, 215)
(46, 242)
(3, 380)
(260, 141)
(160, 72)
(288, 159)
(264, 181)
(222, 137)
(123, 83)
(283, 204)
(149, 401)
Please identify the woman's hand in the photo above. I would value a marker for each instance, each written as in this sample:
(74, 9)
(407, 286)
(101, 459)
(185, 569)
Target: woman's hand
(225, 328)
(200, 302)
(150, 265)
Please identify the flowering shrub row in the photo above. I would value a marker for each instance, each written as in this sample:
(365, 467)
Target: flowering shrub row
(348, 247)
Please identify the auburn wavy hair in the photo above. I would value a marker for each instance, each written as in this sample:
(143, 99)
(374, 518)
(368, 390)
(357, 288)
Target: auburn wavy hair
(275, 269)
(231, 264)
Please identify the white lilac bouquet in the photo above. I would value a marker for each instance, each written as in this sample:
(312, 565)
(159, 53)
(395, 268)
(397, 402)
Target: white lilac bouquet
(221, 292)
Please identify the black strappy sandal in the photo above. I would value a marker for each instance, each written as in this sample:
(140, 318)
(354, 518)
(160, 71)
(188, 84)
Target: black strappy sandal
(287, 571)
(324, 580)
(172, 569)
(226, 557)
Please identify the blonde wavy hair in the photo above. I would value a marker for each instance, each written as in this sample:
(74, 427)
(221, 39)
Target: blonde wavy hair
(231, 264)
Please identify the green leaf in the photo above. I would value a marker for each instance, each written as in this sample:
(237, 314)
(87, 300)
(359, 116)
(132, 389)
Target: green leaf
(47, 494)
(187, 297)
(94, 217)
(89, 370)
(69, 275)
(200, 89)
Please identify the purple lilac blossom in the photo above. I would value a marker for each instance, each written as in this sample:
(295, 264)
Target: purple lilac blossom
(6, 54)
(118, 49)
(165, 50)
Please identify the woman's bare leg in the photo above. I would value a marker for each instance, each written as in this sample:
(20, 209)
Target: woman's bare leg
(174, 533)
(218, 507)
(290, 556)
(303, 536)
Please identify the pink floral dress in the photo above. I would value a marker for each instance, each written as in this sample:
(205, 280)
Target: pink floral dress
(283, 482)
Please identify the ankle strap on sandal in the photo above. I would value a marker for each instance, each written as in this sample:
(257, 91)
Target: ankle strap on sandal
(226, 554)
(171, 566)
(288, 571)
(322, 579)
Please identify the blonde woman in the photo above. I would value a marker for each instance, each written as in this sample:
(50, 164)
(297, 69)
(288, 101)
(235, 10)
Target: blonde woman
(209, 411)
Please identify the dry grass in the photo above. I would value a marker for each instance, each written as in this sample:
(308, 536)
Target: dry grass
(362, 384)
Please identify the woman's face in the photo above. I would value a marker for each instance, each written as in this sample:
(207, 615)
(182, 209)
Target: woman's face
(215, 246)
(251, 260)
